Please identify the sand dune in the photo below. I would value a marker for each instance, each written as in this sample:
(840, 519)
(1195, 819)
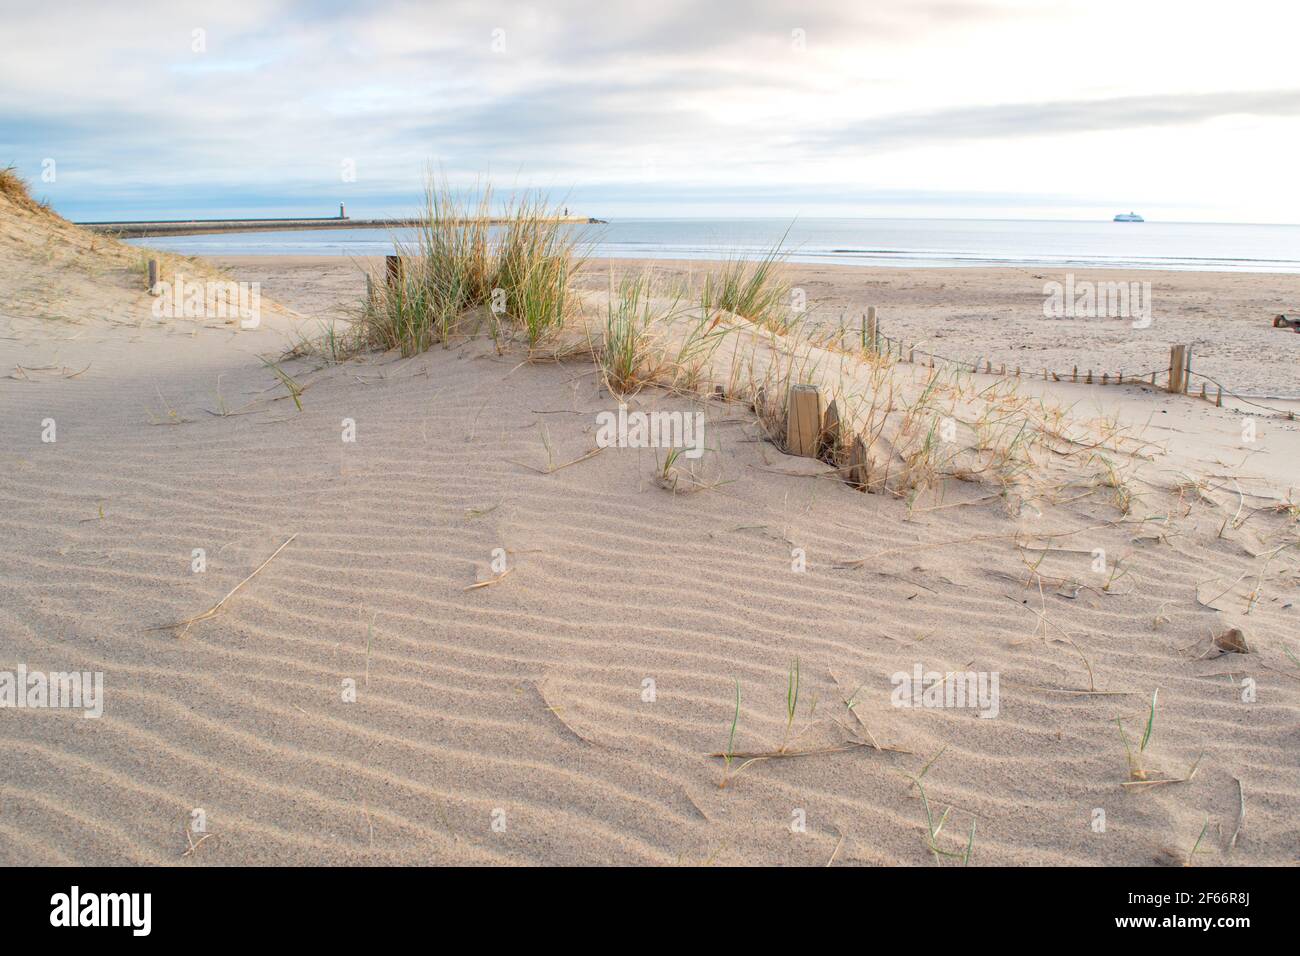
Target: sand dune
(513, 723)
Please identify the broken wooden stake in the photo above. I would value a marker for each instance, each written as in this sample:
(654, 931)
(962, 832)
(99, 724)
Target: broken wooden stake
(858, 467)
(830, 434)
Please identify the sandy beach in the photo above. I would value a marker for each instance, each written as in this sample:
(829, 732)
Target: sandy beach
(969, 314)
(359, 700)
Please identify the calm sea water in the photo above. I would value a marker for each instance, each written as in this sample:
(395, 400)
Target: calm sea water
(874, 242)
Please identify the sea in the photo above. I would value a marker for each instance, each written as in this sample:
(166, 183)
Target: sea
(1208, 247)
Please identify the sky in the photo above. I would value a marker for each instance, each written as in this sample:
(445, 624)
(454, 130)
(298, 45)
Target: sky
(883, 108)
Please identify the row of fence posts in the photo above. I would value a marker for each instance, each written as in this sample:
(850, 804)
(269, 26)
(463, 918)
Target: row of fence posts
(1179, 369)
(811, 430)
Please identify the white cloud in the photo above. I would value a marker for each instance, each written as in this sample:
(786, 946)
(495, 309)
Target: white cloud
(1184, 109)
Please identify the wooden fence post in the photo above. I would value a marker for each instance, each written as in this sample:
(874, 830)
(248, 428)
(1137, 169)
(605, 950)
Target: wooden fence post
(830, 433)
(1178, 364)
(803, 420)
(858, 467)
(153, 276)
(394, 270)
(871, 331)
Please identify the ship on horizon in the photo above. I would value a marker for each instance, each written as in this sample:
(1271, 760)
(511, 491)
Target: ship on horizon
(1129, 217)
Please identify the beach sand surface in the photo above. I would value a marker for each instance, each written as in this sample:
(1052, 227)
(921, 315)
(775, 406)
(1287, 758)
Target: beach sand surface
(359, 701)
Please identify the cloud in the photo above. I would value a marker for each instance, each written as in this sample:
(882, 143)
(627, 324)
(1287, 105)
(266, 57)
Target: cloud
(595, 95)
(1057, 118)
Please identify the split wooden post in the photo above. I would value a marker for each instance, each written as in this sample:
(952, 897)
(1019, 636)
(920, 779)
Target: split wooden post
(153, 276)
(370, 289)
(830, 434)
(858, 467)
(803, 421)
(871, 331)
(1178, 364)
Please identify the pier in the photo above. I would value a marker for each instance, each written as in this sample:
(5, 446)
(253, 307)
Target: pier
(138, 229)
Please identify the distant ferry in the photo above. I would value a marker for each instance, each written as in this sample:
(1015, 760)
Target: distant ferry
(1129, 217)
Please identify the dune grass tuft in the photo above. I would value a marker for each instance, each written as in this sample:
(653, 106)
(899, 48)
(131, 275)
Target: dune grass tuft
(14, 188)
(518, 268)
(751, 289)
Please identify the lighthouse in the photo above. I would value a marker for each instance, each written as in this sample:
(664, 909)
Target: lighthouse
(343, 211)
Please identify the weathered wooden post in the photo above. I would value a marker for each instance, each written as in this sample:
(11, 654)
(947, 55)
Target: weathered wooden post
(1178, 365)
(830, 434)
(858, 466)
(871, 331)
(803, 420)
(394, 270)
(153, 276)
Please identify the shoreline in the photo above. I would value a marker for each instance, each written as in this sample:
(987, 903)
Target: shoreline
(884, 260)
